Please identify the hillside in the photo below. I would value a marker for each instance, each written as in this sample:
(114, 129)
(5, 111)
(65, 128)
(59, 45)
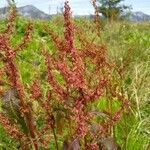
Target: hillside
(31, 11)
(139, 16)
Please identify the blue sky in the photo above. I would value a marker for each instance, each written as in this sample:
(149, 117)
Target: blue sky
(78, 6)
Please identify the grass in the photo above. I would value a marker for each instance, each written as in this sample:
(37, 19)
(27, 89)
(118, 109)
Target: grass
(132, 132)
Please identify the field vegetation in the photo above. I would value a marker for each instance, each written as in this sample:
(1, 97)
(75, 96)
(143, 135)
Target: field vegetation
(73, 84)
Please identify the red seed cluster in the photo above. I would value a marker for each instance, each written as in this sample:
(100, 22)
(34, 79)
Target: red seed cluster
(11, 21)
(12, 72)
(35, 90)
(11, 129)
(86, 74)
(68, 26)
(27, 37)
(92, 147)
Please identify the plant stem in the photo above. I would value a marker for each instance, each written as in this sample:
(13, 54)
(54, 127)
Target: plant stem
(55, 137)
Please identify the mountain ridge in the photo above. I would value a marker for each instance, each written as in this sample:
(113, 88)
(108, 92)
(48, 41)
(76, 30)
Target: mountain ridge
(31, 11)
(139, 16)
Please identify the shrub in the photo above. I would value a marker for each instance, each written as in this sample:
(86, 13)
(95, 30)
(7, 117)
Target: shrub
(65, 109)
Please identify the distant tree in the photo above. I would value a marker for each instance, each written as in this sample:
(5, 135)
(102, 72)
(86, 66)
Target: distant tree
(111, 9)
(11, 2)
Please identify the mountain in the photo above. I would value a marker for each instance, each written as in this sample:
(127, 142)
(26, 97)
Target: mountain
(29, 11)
(3, 12)
(33, 12)
(139, 16)
(133, 16)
